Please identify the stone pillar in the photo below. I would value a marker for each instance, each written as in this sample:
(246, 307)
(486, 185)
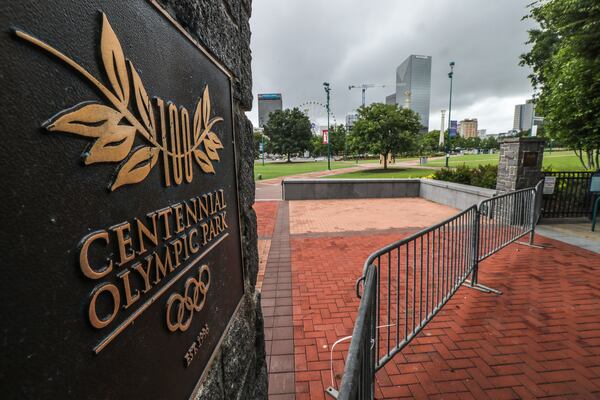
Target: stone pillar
(239, 369)
(520, 163)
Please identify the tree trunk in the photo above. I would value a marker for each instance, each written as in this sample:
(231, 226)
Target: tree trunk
(385, 160)
(579, 154)
(591, 159)
(288, 160)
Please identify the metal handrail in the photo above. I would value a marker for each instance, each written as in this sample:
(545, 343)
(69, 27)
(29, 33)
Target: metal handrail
(439, 258)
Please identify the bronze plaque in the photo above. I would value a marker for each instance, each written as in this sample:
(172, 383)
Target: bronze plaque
(530, 159)
(120, 229)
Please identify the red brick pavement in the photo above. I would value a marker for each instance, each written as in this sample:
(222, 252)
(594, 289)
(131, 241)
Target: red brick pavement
(266, 211)
(324, 272)
(540, 339)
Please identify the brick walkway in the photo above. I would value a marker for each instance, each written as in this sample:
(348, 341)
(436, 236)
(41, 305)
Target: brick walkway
(540, 339)
(276, 288)
(266, 214)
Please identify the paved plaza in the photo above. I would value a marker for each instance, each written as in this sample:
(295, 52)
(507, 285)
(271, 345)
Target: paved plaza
(539, 339)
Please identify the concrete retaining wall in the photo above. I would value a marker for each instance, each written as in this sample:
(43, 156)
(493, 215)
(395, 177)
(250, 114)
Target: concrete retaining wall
(447, 193)
(453, 194)
(318, 189)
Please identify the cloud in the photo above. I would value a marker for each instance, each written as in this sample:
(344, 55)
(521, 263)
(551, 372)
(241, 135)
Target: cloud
(297, 45)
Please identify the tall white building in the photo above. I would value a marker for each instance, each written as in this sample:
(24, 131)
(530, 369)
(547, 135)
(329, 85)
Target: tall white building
(525, 117)
(267, 103)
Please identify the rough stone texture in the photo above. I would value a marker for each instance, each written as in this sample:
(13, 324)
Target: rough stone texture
(512, 174)
(222, 26)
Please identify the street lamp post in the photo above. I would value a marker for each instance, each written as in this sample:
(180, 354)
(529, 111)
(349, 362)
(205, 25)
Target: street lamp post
(450, 75)
(327, 90)
(262, 142)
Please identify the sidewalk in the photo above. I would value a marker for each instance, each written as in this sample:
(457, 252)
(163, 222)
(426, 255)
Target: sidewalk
(576, 233)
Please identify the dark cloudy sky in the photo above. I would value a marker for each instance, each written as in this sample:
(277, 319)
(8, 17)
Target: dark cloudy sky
(299, 44)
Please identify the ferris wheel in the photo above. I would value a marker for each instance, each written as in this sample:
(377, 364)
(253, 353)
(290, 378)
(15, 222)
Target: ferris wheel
(317, 115)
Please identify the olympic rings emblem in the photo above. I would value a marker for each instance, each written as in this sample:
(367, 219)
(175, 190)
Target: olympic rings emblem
(193, 299)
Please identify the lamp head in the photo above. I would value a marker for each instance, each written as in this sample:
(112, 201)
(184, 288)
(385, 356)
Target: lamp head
(452, 63)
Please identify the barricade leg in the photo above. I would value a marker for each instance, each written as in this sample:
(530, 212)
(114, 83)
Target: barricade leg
(473, 283)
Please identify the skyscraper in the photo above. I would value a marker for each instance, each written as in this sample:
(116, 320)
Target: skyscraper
(391, 99)
(525, 116)
(267, 103)
(413, 86)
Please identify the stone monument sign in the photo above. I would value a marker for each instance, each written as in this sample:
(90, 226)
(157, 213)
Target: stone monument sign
(520, 164)
(121, 232)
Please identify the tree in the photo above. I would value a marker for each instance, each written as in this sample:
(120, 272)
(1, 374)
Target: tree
(566, 71)
(289, 132)
(337, 136)
(259, 138)
(385, 129)
(490, 143)
(318, 148)
(429, 143)
(472, 143)
(456, 142)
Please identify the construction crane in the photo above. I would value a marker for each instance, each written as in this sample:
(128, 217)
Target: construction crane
(364, 88)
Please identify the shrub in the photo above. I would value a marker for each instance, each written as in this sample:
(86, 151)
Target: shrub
(481, 176)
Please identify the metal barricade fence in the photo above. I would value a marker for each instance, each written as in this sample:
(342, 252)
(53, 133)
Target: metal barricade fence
(359, 385)
(408, 282)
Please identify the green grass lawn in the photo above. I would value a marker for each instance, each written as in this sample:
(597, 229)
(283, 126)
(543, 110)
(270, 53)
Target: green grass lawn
(391, 172)
(277, 169)
(557, 160)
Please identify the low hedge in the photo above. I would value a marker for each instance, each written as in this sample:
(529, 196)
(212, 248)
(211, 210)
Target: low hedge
(482, 176)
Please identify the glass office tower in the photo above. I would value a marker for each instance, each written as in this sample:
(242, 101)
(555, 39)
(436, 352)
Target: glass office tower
(413, 86)
(267, 103)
